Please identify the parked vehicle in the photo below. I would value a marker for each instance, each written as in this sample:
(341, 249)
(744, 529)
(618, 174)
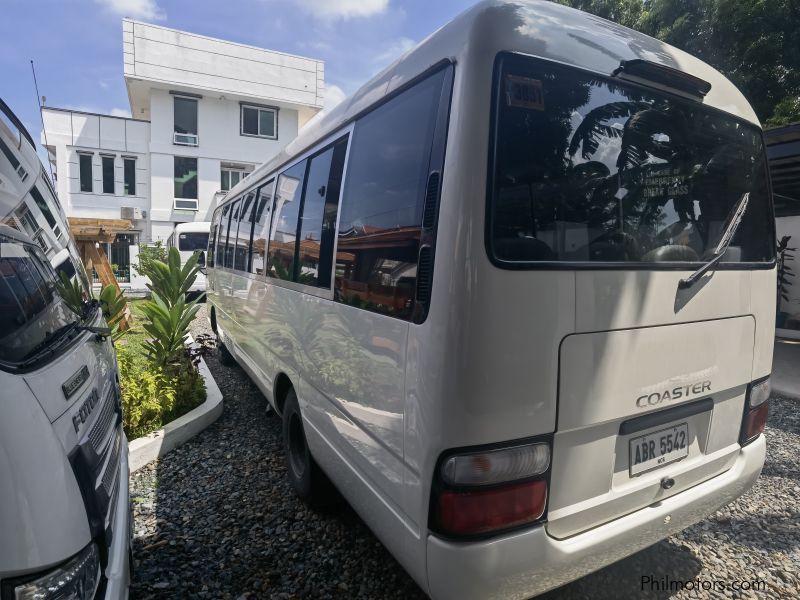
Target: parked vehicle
(189, 238)
(64, 507)
(515, 298)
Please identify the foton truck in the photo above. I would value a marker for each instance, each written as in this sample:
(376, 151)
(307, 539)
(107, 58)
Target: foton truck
(64, 507)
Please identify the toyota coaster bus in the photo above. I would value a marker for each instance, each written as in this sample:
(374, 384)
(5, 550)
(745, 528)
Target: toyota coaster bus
(64, 509)
(514, 298)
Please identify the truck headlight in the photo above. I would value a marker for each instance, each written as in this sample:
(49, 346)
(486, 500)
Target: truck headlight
(77, 579)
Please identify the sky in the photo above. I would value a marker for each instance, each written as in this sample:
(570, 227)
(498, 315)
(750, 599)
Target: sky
(76, 45)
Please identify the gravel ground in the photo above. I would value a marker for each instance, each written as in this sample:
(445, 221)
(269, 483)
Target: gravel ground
(216, 518)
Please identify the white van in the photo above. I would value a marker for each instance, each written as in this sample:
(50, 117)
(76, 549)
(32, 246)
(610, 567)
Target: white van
(189, 238)
(64, 507)
(515, 298)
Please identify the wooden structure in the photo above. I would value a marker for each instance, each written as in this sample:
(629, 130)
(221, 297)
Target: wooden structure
(89, 234)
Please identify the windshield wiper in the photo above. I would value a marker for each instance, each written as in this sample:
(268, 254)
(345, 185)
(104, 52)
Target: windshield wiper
(53, 341)
(722, 246)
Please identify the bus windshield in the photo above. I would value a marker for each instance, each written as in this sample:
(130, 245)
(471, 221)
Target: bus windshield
(591, 169)
(193, 240)
(32, 313)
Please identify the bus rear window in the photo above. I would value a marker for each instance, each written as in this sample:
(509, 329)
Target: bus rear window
(193, 240)
(589, 169)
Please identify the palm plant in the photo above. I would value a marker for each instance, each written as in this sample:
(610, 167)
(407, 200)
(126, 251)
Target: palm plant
(784, 270)
(71, 293)
(169, 326)
(171, 281)
(112, 303)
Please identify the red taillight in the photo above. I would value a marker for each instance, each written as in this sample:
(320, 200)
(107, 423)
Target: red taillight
(753, 423)
(477, 511)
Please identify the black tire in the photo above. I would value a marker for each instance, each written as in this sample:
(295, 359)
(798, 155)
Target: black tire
(225, 357)
(308, 480)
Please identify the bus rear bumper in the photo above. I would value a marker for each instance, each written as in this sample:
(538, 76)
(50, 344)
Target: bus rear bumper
(531, 562)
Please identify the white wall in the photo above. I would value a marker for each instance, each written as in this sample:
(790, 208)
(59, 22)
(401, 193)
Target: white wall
(71, 131)
(159, 54)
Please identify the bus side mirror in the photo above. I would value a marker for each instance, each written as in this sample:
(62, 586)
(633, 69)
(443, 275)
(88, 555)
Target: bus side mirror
(201, 259)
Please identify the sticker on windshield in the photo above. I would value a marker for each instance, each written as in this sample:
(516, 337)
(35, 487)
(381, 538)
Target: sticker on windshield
(524, 92)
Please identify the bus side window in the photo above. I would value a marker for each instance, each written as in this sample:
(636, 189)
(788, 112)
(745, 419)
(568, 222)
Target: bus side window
(261, 228)
(212, 238)
(222, 236)
(382, 204)
(318, 221)
(285, 222)
(233, 214)
(244, 229)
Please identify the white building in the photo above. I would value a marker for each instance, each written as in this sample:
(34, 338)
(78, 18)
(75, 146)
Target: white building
(204, 113)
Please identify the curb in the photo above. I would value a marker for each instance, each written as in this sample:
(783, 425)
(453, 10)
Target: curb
(144, 450)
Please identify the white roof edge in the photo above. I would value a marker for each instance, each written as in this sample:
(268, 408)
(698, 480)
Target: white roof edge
(213, 39)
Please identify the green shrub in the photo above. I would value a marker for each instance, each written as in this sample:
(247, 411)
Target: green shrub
(148, 255)
(171, 281)
(147, 395)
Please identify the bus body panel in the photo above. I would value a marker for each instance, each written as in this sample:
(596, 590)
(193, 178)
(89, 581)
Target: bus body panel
(42, 517)
(608, 378)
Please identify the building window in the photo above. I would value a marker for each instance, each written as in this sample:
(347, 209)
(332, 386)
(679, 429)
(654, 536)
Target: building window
(129, 168)
(260, 122)
(185, 129)
(185, 183)
(230, 176)
(85, 167)
(108, 174)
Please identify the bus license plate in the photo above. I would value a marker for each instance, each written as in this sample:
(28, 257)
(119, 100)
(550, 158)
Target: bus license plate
(659, 448)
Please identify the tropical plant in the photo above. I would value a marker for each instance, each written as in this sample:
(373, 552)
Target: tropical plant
(147, 395)
(169, 326)
(71, 293)
(784, 270)
(112, 303)
(171, 281)
(149, 255)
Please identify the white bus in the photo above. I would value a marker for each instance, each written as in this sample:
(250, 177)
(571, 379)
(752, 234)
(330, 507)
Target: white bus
(514, 298)
(64, 506)
(189, 238)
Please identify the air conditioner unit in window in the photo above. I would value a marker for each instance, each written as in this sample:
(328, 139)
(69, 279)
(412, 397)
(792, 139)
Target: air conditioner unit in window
(130, 212)
(185, 139)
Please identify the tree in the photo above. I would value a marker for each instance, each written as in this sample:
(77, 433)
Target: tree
(756, 44)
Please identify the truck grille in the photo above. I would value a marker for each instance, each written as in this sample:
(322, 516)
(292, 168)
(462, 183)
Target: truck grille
(112, 467)
(100, 429)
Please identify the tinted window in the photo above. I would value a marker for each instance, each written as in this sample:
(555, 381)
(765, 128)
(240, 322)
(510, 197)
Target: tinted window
(212, 238)
(185, 116)
(245, 229)
(380, 224)
(318, 223)
(591, 170)
(108, 174)
(185, 180)
(85, 166)
(284, 230)
(129, 167)
(262, 226)
(225, 252)
(190, 241)
(42, 204)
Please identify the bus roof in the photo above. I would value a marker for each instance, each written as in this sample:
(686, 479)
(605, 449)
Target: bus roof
(534, 27)
(202, 226)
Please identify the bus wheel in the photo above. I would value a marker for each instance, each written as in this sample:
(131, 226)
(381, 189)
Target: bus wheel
(305, 475)
(225, 357)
